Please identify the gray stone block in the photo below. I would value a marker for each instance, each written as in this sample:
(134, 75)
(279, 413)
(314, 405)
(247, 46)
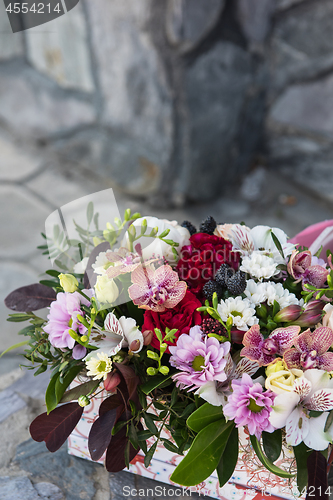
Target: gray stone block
(32, 107)
(255, 18)
(10, 403)
(188, 22)
(14, 164)
(13, 488)
(308, 106)
(48, 491)
(32, 386)
(63, 53)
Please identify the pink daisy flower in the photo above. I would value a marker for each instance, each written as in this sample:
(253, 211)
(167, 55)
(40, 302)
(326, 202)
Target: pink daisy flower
(249, 405)
(199, 359)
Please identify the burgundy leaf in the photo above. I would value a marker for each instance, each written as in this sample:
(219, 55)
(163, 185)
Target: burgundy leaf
(100, 433)
(111, 403)
(30, 298)
(90, 276)
(317, 477)
(55, 427)
(115, 454)
(131, 379)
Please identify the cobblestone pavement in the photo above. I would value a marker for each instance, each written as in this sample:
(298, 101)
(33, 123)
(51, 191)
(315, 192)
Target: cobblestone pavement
(32, 185)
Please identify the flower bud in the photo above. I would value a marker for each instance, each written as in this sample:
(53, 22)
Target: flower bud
(112, 381)
(164, 370)
(68, 282)
(135, 345)
(289, 313)
(106, 290)
(308, 318)
(83, 401)
(97, 241)
(147, 337)
(84, 338)
(151, 371)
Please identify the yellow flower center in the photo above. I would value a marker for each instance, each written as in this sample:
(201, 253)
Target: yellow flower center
(198, 364)
(101, 367)
(252, 406)
(236, 313)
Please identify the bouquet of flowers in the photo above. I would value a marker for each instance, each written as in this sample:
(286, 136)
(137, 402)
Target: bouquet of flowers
(217, 328)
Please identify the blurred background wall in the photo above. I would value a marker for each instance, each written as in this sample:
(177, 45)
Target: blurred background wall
(156, 94)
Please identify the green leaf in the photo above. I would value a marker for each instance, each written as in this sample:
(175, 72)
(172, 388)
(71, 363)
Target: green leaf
(50, 394)
(80, 390)
(277, 244)
(53, 273)
(204, 455)
(329, 421)
(90, 212)
(229, 458)
(149, 455)
(276, 308)
(170, 446)
(18, 317)
(154, 383)
(272, 444)
(50, 283)
(15, 346)
(144, 435)
(60, 387)
(150, 423)
(302, 453)
(133, 436)
(204, 416)
(266, 462)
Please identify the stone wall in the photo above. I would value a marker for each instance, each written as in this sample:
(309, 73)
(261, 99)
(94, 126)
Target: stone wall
(154, 94)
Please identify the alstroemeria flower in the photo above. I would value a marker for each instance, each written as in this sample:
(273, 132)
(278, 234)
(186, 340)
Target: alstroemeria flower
(262, 350)
(248, 240)
(301, 269)
(216, 393)
(117, 333)
(156, 290)
(313, 391)
(310, 350)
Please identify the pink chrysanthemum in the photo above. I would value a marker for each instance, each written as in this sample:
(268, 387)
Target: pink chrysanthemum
(199, 359)
(249, 405)
(63, 316)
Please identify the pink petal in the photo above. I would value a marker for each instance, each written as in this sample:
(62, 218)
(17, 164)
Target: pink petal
(321, 339)
(316, 276)
(253, 337)
(303, 341)
(292, 358)
(253, 353)
(285, 337)
(298, 263)
(325, 361)
(166, 277)
(176, 295)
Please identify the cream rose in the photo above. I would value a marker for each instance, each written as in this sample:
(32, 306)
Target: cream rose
(279, 378)
(106, 290)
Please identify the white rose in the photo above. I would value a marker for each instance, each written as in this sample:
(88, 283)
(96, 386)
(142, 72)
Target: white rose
(106, 290)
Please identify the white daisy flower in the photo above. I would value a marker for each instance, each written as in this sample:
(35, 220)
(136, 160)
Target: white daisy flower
(240, 310)
(275, 291)
(255, 292)
(99, 366)
(259, 266)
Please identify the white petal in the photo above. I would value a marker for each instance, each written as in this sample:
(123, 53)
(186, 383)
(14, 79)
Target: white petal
(297, 427)
(284, 404)
(317, 439)
(133, 335)
(245, 365)
(321, 400)
(302, 387)
(319, 379)
(112, 324)
(127, 324)
(209, 393)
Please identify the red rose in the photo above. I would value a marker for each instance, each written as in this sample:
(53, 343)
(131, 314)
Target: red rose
(200, 260)
(183, 317)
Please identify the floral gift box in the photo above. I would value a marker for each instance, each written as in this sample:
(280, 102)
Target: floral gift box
(202, 356)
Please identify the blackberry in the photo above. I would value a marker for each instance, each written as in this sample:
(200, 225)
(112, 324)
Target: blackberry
(210, 325)
(208, 225)
(223, 274)
(189, 226)
(210, 287)
(237, 283)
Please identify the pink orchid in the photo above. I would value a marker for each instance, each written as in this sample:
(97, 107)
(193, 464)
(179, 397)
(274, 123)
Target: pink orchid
(301, 269)
(156, 290)
(310, 350)
(262, 350)
(123, 261)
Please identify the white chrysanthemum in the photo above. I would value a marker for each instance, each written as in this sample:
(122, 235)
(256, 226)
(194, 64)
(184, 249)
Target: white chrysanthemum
(240, 310)
(259, 266)
(275, 291)
(101, 263)
(99, 366)
(255, 292)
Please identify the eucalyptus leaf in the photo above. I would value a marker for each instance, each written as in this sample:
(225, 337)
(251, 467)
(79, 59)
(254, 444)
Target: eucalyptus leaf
(15, 346)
